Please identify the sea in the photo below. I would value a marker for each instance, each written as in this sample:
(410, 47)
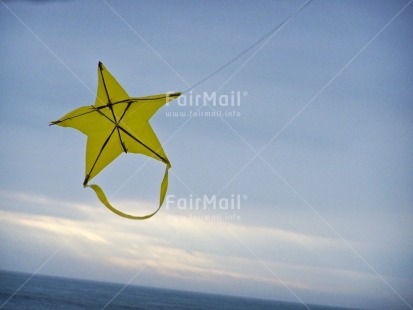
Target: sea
(24, 291)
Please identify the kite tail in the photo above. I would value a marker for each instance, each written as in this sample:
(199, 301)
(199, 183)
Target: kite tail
(102, 197)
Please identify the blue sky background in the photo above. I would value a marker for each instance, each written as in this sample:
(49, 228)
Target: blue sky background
(326, 207)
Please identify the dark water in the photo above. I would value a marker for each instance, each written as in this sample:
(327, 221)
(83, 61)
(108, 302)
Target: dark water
(43, 292)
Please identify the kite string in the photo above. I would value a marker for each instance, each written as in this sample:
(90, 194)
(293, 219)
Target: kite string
(273, 31)
(164, 185)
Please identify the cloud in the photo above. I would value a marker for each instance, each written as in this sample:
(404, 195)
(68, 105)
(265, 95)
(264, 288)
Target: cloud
(25, 202)
(187, 249)
(57, 226)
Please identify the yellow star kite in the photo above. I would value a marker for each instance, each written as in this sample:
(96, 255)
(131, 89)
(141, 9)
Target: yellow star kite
(118, 123)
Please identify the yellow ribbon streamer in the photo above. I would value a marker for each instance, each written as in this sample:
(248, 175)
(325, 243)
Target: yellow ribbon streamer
(102, 197)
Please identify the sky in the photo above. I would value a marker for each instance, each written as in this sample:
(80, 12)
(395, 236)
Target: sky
(293, 184)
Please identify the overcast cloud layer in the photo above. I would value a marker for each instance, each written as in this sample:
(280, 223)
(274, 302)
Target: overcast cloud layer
(298, 188)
